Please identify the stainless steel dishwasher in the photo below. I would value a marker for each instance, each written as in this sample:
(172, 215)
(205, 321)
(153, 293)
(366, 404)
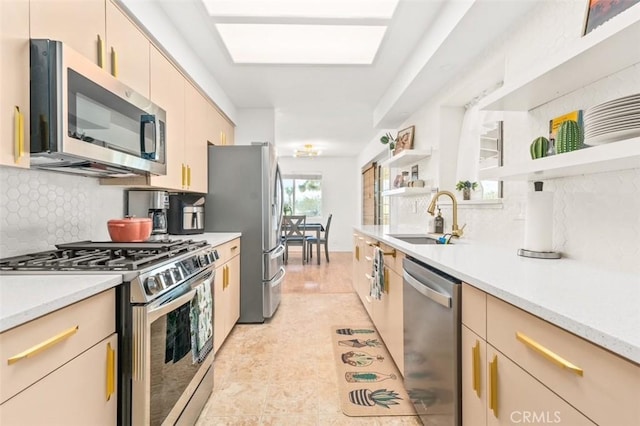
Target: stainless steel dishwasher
(431, 301)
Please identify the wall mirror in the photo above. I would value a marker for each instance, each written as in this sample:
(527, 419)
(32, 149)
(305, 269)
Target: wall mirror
(491, 156)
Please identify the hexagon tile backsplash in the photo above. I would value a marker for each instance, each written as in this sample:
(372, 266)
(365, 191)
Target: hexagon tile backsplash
(39, 209)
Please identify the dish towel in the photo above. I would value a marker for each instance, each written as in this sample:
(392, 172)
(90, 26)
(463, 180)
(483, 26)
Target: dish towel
(202, 322)
(377, 274)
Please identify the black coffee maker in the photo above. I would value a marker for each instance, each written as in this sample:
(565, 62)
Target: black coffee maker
(151, 204)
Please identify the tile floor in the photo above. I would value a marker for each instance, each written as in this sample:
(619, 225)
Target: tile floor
(282, 372)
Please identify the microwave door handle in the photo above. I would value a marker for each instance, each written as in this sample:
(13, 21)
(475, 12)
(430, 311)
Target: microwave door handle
(145, 120)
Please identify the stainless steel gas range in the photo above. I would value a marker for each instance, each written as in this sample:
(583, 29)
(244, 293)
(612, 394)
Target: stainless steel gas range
(164, 319)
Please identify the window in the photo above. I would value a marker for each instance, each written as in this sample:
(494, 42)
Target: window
(302, 195)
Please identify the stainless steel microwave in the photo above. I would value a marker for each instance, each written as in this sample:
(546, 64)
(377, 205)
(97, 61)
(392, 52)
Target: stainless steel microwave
(85, 121)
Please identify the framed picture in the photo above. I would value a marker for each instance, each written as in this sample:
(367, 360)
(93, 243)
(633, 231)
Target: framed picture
(404, 140)
(601, 11)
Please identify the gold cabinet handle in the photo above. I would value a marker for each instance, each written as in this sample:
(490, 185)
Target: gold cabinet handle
(34, 350)
(188, 176)
(369, 277)
(114, 63)
(111, 371)
(184, 175)
(551, 356)
(493, 386)
(475, 367)
(234, 248)
(221, 138)
(18, 135)
(368, 258)
(357, 253)
(100, 52)
(386, 280)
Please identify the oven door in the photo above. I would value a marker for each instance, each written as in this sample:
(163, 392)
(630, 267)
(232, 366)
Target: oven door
(167, 368)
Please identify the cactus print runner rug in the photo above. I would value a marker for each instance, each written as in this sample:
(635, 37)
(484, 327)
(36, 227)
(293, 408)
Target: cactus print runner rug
(368, 379)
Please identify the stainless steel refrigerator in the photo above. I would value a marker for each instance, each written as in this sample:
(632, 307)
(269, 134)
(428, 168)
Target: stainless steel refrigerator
(245, 195)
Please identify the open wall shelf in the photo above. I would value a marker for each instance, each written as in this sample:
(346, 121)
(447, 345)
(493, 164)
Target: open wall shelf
(406, 191)
(606, 50)
(609, 157)
(407, 157)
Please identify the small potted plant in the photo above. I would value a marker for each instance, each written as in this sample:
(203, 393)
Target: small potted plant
(388, 139)
(466, 186)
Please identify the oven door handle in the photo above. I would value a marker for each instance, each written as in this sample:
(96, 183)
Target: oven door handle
(161, 310)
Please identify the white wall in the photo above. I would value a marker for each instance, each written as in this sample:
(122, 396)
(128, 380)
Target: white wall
(596, 216)
(339, 193)
(255, 125)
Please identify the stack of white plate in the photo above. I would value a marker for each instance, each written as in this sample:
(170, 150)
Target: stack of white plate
(612, 121)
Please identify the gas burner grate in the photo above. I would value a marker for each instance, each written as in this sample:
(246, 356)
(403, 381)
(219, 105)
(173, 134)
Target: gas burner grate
(100, 256)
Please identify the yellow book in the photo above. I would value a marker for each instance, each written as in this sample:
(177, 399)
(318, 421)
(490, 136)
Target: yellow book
(555, 123)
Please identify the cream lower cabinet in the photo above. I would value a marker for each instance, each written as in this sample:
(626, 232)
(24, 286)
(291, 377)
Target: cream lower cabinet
(386, 313)
(528, 371)
(226, 292)
(81, 392)
(61, 369)
(14, 83)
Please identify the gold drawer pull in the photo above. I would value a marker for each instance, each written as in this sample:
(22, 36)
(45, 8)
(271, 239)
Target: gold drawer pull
(100, 52)
(111, 371)
(114, 63)
(551, 356)
(369, 277)
(475, 367)
(368, 258)
(34, 350)
(493, 386)
(234, 248)
(357, 253)
(386, 280)
(18, 135)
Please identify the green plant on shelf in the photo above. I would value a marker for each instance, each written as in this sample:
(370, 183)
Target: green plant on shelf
(390, 140)
(465, 184)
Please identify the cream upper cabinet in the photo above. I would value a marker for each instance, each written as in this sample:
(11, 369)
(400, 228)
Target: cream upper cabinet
(14, 83)
(197, 135)
(224, 129)
(79, 24)
(127, 50)
(168, 92)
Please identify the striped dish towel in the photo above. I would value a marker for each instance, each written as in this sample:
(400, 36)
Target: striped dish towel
(377, 274)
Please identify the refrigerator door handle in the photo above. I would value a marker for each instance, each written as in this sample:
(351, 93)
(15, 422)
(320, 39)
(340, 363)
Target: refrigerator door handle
(277, 281)
(279, 251)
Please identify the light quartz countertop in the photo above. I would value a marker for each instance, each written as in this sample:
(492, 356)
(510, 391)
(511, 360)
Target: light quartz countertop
(26, 297)
(601, 306)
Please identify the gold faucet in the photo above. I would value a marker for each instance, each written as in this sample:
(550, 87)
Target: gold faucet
(455, 231)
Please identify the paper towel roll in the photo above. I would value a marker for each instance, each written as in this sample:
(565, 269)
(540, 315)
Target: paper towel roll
(538, 222)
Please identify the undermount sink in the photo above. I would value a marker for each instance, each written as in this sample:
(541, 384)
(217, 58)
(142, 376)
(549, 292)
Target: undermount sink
(418, 239)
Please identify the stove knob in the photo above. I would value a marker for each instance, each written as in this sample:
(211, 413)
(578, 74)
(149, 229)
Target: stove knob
(179, 273)
(204, 261)
(151, 285)
(168, 278)
(211, 257)
(175, 274)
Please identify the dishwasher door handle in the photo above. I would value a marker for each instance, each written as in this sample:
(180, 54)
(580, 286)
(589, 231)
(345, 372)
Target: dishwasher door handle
(424, 289)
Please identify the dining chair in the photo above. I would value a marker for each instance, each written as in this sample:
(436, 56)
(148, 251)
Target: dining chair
(324, 239)
(294, 234)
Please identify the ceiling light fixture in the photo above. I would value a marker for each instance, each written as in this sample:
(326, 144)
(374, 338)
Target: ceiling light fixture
(308, 151)
(321, 9)
(301, 44)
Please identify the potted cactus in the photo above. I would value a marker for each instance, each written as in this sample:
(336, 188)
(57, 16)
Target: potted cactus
(466, 186)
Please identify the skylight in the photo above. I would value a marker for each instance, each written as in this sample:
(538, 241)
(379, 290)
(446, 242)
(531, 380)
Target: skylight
(340, 9)
(301, 44)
